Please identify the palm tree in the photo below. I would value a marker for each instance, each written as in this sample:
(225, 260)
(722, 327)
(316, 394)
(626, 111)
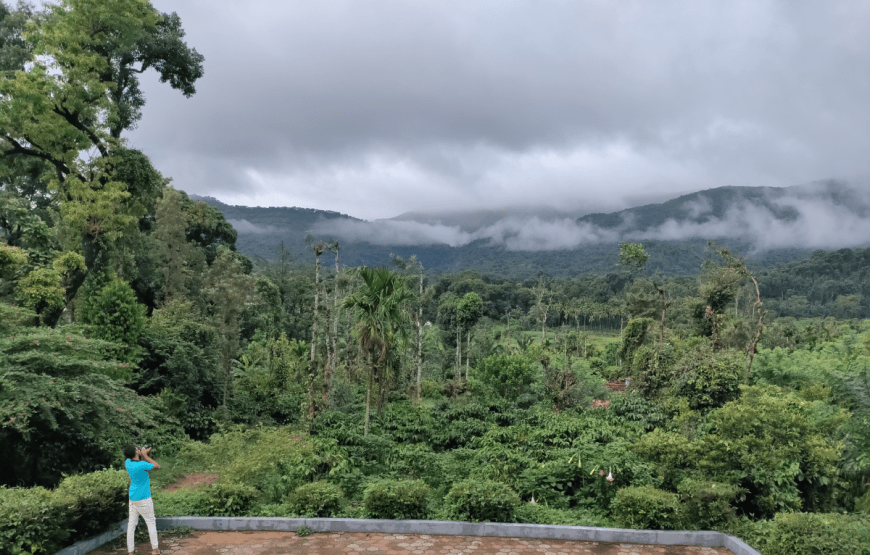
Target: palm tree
(377, 307)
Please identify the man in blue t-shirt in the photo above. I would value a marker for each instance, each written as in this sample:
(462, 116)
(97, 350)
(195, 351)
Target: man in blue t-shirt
(138, 465)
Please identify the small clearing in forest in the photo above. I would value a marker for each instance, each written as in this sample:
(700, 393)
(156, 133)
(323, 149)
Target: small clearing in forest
(192, 481)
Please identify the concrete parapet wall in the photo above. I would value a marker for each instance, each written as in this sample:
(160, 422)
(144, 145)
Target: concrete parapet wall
(434, 527)
(452, 528)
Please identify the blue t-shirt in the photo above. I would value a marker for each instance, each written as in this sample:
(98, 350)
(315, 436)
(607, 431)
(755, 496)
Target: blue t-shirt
(140, 480)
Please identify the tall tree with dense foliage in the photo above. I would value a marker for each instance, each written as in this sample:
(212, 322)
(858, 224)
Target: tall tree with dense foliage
(67, 107)
(377, 306)
(227, 287)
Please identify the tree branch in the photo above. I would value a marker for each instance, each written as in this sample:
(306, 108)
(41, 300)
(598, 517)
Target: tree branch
(18, 148)
(74, 121)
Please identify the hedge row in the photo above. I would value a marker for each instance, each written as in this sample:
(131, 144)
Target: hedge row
(38, 520)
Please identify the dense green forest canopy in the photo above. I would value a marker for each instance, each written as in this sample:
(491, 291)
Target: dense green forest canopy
(729, 397)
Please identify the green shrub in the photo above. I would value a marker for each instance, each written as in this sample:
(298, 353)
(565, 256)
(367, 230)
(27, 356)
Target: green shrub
(93, 501)
(482, 501)
(317, 499)
(538, 513)
(648, 508)
(708, 504)
(274, 460)
(508, 375)
(31, 520)
(181, 502)
(813, 534)
(303, 531)
(862, 505)
(431, 389)
(228, 499)
(37, 520)
(406, 499)
(772, 444)
(280, 510)
(706, 378)
(669, 453)
(633, 336)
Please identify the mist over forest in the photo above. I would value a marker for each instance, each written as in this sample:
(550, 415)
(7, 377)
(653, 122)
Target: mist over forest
(767, 225)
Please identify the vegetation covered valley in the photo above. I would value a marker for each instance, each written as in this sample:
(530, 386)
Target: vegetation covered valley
(728, 399)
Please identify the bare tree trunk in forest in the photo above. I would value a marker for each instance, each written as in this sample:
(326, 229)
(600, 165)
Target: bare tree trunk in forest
(335, 296)
(759, 328)
(458, 361)
(312, 366)
(467, 355)
(347, 346)
(371, 372)
(383, 378)
(665, 304)
(330, 356)
(418, 354)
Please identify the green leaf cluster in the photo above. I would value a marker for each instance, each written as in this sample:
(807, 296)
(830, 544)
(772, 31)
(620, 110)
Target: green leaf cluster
(38, 520)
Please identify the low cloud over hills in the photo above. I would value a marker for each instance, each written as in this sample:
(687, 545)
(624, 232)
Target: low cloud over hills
(827, 214)
(819, 215)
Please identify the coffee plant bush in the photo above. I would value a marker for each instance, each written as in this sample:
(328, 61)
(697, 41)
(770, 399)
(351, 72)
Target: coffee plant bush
(708, 505)
(228, 499)
(317, 499)
(812, 533)
(482, 501)
(396, 500)
(648, 508)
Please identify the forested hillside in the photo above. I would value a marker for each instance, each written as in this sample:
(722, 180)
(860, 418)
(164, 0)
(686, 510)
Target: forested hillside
(734, 396)
(262, 232)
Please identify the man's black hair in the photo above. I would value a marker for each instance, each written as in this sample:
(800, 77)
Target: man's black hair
(129, 451)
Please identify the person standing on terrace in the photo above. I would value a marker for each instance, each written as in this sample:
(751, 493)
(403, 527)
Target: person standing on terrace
(139, 465)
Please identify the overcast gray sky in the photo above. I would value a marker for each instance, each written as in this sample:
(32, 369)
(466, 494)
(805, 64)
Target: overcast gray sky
(373, 108)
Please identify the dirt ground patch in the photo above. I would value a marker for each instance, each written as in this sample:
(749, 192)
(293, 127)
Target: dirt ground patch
(192, 481)
(346, 543)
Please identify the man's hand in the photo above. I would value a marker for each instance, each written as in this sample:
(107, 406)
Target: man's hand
(144, 452)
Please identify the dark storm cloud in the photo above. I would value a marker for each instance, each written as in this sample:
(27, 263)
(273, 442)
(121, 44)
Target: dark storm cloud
(376, 108)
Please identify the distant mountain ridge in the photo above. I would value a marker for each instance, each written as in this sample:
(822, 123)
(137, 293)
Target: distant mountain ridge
(768, 225)
(702, 206)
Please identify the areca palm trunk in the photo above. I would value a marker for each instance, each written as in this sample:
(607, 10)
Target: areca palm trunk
(330, 344)
(335, 296)
(372, 371)
(418, 359)
(312, 367)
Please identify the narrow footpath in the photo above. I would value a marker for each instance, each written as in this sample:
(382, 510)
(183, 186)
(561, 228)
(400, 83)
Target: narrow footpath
(341, 543)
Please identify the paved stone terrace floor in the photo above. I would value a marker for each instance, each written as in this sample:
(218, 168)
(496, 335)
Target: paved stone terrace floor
(341, 543)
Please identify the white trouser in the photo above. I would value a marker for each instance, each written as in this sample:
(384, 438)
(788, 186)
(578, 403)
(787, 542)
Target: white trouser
(145, 508)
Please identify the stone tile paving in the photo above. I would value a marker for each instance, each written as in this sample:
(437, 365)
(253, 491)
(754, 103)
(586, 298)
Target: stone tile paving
(347, 543)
